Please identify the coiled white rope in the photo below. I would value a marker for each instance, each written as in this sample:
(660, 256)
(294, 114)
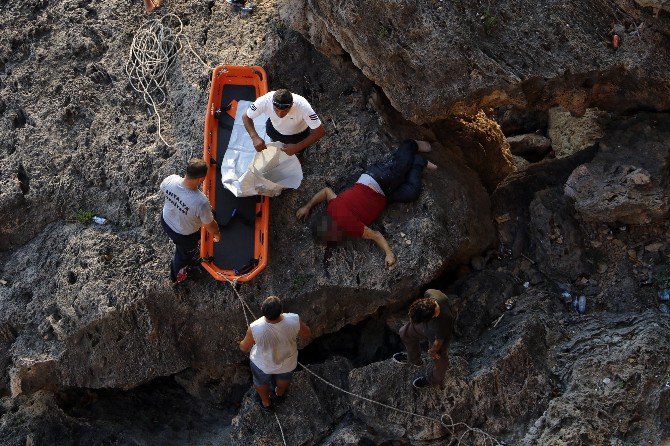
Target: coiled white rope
(451, 426)
(153, 51)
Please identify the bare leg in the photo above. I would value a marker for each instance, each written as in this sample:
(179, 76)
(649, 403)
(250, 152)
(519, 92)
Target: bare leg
(264, 392)
(281, 387)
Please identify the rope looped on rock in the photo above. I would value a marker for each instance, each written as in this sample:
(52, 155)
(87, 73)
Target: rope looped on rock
(153, 52)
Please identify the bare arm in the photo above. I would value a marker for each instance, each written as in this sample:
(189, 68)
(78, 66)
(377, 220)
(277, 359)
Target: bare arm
(379, 239)
(435, 348)
(213, 228)
(247, 342)
(314, 135)
(258, 142)
(304, 331)
(325, 194)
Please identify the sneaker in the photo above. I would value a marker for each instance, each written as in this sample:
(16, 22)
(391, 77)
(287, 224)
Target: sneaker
(401, 358)
(263, 407)
(182, 275)
(420, 382)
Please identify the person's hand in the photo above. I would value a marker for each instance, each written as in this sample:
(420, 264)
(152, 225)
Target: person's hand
(216, 238)
(290, 149)
(390, 259)
(302, 213)
(259, 144)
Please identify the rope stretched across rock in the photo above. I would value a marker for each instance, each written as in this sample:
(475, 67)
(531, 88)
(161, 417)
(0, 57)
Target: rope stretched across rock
(451, 426)
(153, 52)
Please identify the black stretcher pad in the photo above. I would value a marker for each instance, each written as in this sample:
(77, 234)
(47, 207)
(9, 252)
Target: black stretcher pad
(235, 251)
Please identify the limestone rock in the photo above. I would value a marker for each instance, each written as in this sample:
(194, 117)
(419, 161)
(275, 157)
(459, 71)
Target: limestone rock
(656, 5)
(627, 181)
(633, 386)
(530, 146)
(514, 195)
(557, 239)
(519, 163)
(516, 121)
(481, 144)
(485, 294)
(432, 59)
(570, 134)
(308, 412)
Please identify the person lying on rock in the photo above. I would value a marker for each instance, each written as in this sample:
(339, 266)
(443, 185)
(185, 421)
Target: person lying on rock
(185, 209)
(431, 319)
(272, 340)
(292, 121)
(350, 212)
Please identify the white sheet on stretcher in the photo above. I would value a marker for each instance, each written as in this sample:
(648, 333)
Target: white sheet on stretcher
(246, 172)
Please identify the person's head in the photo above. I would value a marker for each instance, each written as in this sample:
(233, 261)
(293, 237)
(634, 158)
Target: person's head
(423, 310)
(196, 169)
(326, 231)
(282, 101)
(271, 308)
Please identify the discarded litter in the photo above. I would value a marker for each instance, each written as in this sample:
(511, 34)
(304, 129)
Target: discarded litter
(238, 5)
(99, 220)
(664, 309)
(509, 304)
(579, 304)
(664, 294)
(526, 284)
(606, 381)
(3, 282)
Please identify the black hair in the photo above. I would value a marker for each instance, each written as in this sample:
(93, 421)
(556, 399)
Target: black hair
(326, 231)
(196, 168)
(422, 310)
(271, 308)
(282, 96)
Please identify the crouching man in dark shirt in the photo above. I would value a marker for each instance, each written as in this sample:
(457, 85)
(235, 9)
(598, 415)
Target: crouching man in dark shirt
(431, 319)
(350, 212)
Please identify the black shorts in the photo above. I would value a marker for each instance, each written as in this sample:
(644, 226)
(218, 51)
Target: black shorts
(286, 139)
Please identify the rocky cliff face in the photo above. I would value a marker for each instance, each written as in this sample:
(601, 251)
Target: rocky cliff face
(434, 58)
(92, 336)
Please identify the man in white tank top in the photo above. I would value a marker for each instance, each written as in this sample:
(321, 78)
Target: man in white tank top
(272, 340)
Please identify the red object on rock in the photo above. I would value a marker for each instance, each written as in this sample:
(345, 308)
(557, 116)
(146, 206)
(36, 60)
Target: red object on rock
(615, 41)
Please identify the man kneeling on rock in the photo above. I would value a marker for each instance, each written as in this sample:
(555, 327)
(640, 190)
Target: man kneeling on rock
(350, 212)
(272, 340)
(185, 209)
(431, 319)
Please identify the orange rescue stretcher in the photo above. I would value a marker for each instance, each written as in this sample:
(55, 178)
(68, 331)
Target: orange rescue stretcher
(242, 252)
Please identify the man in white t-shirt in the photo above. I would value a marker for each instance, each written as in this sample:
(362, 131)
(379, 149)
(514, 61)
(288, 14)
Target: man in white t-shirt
(291, 120)
(185, 209)
(272, 340)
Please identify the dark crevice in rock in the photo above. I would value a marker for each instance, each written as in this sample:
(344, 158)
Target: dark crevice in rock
(364, 343)
(20, 119)
(24, 179)
(157, 413)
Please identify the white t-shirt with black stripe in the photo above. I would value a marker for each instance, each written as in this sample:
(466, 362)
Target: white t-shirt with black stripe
(299, 117)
